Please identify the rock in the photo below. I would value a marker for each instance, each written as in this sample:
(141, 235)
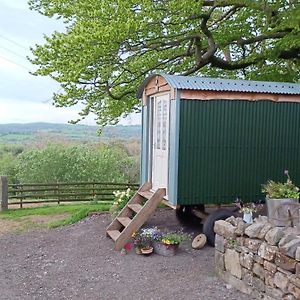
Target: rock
(281, 281)
(270, 267)
(219, 261)
(274, 293)
(286, 272)
(294, 279)
(286, 239)
(294, 290)
(297, 254)
(232, 263)
(232, 220)
(298, 270)
(236, 283)
(252, 244)
(264, 231)
(288, 297)
(285, 262)
(269, 279)
(219, 243)
(240, 241)
(293, 231)
(290, 248)
(246, 260)
(258, 259)
(247, 276)
(240, 229)
(274, 235)
(254, 229)
(259, 284)
(224, 229)
(267, 252)
(261, 219)
(259, 271)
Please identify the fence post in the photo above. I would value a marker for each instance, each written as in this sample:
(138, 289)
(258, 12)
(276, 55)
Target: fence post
(4, 192)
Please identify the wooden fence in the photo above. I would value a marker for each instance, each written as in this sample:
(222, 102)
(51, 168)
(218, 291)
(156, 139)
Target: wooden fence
(34, 193)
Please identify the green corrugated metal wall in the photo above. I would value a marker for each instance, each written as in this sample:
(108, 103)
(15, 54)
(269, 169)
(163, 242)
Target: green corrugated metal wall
(227, 149)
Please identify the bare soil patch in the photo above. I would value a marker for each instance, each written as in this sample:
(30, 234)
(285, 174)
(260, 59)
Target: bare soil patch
(78, 262)
(7, 226)
(28, 223)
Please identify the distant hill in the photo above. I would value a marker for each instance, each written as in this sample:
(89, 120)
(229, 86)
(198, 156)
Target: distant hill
(23, 133)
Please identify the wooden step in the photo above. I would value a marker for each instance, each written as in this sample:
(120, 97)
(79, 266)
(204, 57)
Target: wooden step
(140, 218)
(146, 194)
(124, 220)
(122, 227)
(114, 234)
(135, 207)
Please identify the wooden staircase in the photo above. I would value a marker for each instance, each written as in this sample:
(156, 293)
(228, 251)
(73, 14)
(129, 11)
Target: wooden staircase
(136, 212)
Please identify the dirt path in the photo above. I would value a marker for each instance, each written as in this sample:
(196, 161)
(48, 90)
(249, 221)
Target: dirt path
(78, 262)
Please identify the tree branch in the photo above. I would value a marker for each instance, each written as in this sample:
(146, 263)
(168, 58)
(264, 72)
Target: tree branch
(226, 65)
(259, 38)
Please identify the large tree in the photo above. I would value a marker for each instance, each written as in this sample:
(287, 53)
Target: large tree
(109, 46)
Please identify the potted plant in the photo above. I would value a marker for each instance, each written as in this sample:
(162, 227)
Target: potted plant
(282, 200)
(166, 243)
(142, 240)
(248, 209)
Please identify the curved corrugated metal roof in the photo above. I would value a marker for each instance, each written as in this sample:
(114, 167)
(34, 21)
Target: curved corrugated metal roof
(228, 85)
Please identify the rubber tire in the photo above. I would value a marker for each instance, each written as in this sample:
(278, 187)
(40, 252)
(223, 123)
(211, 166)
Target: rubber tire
(208, 226)
(185, 216)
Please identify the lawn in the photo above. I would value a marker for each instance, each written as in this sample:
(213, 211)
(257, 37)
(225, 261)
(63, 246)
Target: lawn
(26, 219)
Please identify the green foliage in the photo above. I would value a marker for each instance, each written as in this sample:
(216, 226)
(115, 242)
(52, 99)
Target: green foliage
(121, 199)
(8, 156)
(232, 243)
(110, 46)
(57, 163)
(280, 190)
(174, 237)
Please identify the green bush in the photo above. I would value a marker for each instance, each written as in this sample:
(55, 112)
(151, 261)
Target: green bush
(57, 163)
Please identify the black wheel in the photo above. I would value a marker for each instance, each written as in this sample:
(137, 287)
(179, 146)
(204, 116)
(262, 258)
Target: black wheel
(208, 226)
(185, 215)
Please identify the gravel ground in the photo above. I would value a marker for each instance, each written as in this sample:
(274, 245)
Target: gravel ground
(78, 262)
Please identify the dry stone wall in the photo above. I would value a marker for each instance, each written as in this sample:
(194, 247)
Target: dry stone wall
(259, 259)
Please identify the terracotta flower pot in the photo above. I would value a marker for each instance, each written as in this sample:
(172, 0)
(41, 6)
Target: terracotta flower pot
(147, 251)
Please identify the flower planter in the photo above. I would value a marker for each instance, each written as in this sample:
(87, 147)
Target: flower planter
(283, 212)
(164, 249)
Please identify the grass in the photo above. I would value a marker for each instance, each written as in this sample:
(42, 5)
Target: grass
(75, 212)
(33, 218)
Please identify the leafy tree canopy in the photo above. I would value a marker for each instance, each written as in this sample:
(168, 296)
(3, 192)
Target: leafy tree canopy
(110, 46)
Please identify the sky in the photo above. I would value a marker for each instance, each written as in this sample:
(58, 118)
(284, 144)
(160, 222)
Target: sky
(26, 98)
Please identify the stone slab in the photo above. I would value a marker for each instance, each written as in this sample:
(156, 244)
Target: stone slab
(259, 271)
(224, 229)
(274, 235)
(285, 262)
(232, 263)
(281, 281)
